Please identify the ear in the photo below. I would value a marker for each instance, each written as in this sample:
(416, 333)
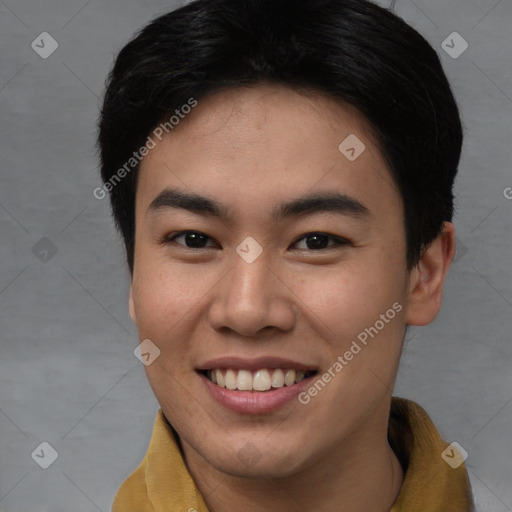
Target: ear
(427, 278)
(131, 306)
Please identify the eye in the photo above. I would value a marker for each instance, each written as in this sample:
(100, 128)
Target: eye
(319, 241)
(192, 239)
(313, 241)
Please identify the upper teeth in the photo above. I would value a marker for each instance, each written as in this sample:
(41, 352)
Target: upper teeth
(261, 380)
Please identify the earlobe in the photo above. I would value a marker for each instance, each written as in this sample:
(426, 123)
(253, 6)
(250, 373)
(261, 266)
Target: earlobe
(428, 277)
(131, 306)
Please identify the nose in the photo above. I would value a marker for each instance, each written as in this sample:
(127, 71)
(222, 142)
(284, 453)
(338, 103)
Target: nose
(251, 298)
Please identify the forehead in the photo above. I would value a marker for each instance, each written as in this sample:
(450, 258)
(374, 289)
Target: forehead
(265, 142)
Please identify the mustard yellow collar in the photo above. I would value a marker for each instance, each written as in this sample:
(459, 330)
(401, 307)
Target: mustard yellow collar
(162, 482)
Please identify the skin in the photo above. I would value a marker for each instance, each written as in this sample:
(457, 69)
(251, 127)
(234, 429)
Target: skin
(251, 149)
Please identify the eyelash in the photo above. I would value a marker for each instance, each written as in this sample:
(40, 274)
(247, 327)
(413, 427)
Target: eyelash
(339, 241)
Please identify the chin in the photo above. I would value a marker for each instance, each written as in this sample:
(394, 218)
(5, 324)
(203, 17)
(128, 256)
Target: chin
(257, 460)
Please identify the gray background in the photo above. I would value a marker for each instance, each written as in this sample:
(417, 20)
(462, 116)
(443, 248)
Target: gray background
(68, 375)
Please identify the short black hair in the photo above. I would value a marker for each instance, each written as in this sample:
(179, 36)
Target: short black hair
(353, 51)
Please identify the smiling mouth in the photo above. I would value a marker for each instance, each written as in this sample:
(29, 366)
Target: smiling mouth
(260, 380)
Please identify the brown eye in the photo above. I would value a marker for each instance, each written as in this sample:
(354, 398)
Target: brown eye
(191, 239)
(319, 241)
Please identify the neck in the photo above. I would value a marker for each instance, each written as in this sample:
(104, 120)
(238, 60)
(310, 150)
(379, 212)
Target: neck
(362, 475)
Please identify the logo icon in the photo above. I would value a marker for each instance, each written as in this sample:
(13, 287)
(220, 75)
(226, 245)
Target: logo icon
(44, 250)
(249, 249)
(454, 45)
(249, 454)
(454, 455)
(45, 455)
(352, 147)
(44, 45)
(146, 352)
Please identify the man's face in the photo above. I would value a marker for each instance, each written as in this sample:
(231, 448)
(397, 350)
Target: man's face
(329, 271)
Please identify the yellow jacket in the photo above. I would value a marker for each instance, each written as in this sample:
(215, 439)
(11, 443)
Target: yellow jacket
(162, 482)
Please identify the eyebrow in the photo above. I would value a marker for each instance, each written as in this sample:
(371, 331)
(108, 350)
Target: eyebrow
(305, 205)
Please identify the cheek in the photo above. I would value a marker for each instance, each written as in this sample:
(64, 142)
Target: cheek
(344, 301)
(161, 297)
(349, 293)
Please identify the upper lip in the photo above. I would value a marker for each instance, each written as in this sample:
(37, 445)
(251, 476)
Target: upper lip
(258, 363)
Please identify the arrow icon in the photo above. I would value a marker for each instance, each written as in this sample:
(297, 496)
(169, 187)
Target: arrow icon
(44, 250)
(454, 45)
(247, 252)
(454, 455)
(44, 45)
(352, 147)
(146, 352)
(44, 455)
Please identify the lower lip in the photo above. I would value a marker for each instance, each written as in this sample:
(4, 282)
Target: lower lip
(255, 402)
